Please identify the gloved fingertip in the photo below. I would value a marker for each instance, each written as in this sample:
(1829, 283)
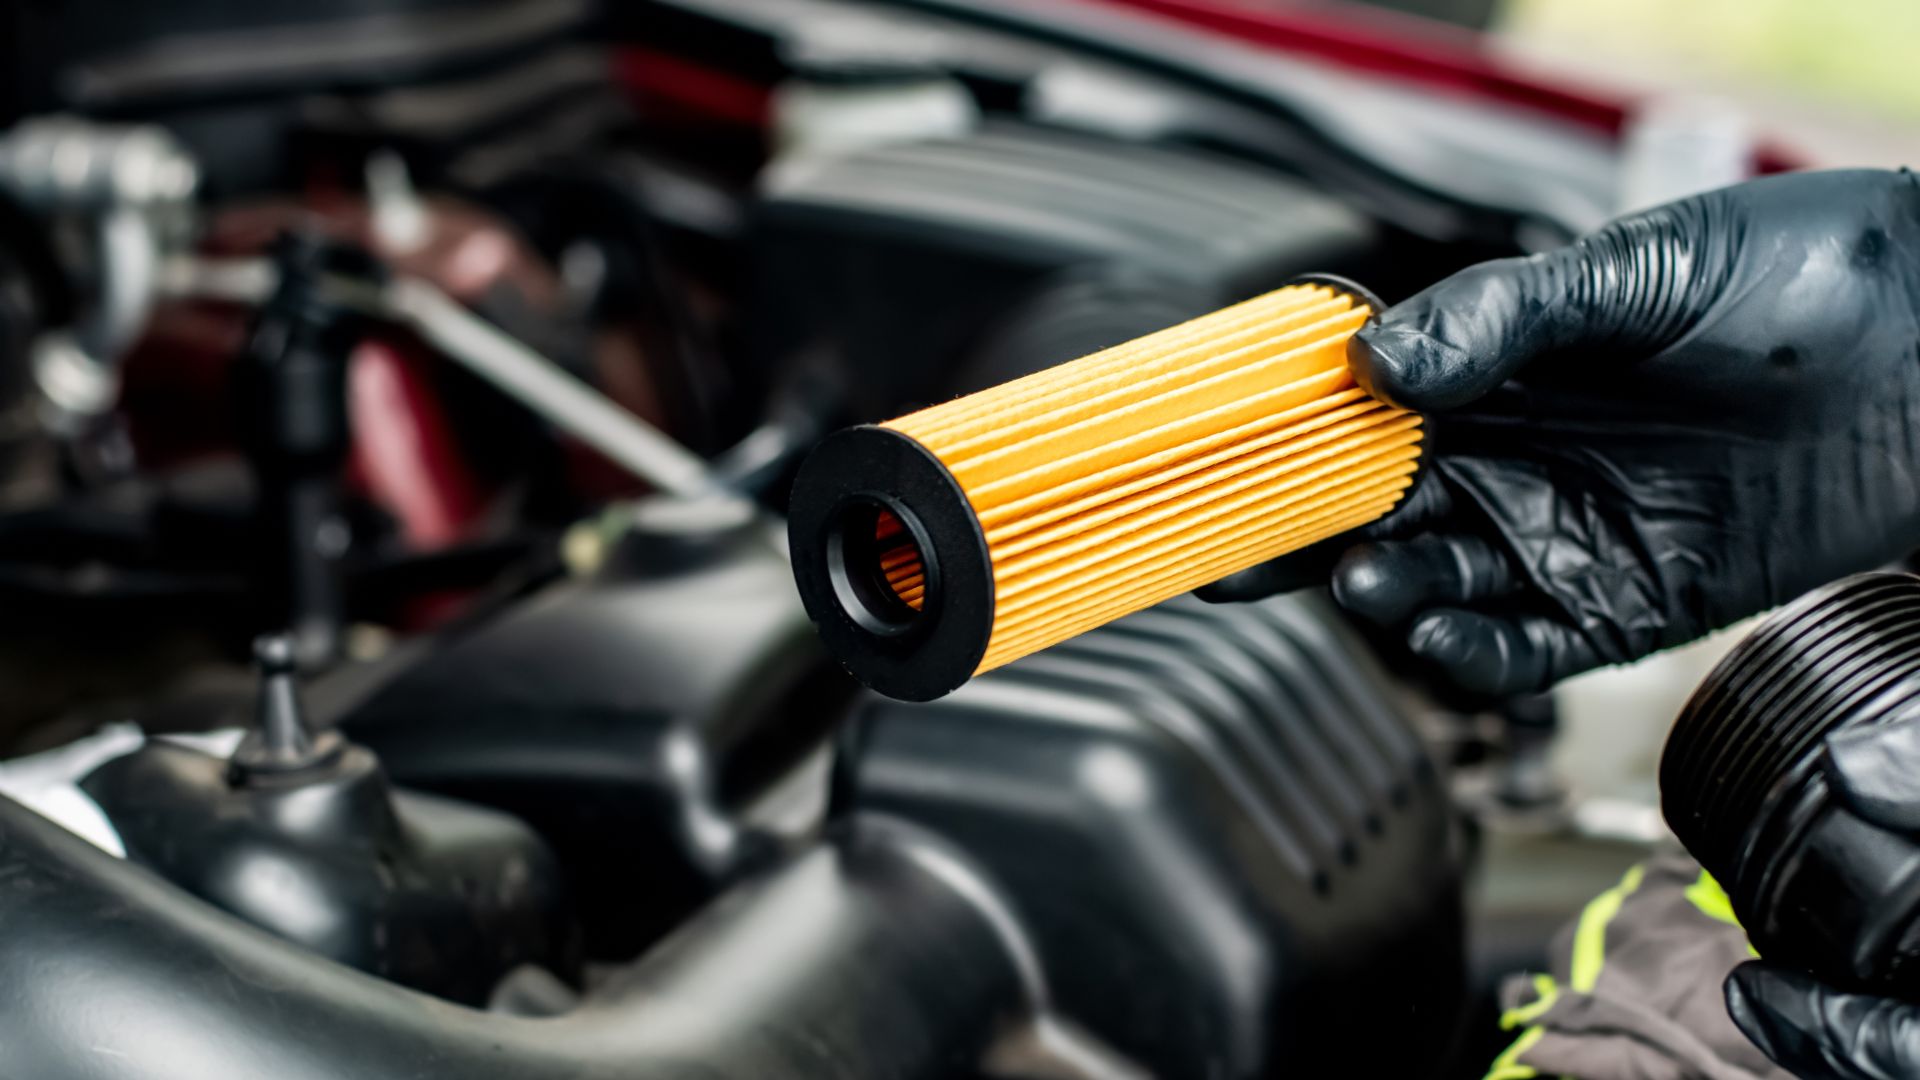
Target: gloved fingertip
(1403, 364)
(1303, 569)
(1474, 650)
(1764, 1001)
(1437, 636)
(1260, 582)
(1369, 582)
(1743, 1007)
(1233, 589)
(1385, 361)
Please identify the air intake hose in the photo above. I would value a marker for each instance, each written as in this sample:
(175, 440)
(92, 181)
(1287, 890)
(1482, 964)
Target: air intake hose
(1744, 785)
(953, 540)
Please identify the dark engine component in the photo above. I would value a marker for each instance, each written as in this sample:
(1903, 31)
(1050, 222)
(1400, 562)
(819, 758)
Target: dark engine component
(305, 838)
(1218, 809)
(1200, 840)
(944, 266)
(627, 716)
(431, 893)
(32, 294)
(293, 396)
(866, 957)
(463, 86)
(1220, 833)
(1814, 884)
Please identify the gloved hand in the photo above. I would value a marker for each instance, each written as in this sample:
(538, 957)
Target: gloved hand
(1692, 415)
(1813, 1030)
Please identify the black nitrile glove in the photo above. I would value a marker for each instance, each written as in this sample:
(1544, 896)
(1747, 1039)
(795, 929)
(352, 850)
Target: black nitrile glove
(1692, 415)
(1814, 1030)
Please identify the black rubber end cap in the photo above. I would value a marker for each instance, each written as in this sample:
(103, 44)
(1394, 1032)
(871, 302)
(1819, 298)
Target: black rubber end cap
(1354, 289)
(902, 652)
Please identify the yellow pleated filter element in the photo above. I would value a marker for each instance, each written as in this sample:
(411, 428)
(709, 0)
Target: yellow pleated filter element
(956, 539)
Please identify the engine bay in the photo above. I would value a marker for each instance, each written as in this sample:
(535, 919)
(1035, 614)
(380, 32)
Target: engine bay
(403, 670)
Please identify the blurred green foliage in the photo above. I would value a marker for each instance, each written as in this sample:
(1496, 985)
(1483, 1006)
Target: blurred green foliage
(1864, 53)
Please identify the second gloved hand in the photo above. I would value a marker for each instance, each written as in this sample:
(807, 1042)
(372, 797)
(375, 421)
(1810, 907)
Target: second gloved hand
(1693, 415)
(1814, 1030)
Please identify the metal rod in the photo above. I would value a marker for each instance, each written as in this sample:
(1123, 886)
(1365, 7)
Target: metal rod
(473, 343)
(548, 390)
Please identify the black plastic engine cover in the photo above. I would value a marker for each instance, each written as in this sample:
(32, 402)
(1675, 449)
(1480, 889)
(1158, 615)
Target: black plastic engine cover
(626, 717)
(431, 893)
(1232, 853)
(938, 267)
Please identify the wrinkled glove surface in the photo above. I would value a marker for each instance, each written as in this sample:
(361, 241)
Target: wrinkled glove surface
(1690, 416)
(1814, 1030)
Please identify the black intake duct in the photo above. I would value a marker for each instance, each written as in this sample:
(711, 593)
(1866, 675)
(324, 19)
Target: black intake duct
(869, 956)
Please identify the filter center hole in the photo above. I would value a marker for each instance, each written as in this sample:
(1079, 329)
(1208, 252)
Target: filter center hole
(881, 573)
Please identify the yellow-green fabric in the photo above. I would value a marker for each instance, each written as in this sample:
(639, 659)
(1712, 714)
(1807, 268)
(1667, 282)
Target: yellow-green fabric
(1548, 992)
(1633, 990)
(1508, 1065)
(1590, 933)
(1712, 900)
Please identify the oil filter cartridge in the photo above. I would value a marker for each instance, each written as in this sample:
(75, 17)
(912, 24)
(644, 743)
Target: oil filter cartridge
(953, 540)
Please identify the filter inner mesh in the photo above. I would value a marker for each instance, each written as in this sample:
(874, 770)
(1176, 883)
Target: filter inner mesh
(1108, 484)
(900, 560)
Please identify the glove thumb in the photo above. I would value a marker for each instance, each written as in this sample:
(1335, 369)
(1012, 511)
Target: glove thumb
(1813, 1030)
(1461, 338)
(1875, 771)
(1622, 292)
